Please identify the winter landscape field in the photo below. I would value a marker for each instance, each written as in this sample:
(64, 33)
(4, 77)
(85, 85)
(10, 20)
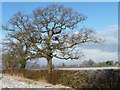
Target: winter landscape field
(59, 45)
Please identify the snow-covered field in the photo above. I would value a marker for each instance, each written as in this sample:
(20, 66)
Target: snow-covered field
(91, 68)
(18, 82)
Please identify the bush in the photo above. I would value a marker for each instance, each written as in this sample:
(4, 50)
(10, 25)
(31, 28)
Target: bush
(106, 79)
(18, 72)
(54, 77)
(35, 74)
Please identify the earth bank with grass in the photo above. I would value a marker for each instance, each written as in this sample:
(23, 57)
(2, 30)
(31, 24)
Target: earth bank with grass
(74, 79)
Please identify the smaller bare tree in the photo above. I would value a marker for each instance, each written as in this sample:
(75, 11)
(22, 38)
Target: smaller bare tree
(21, 37)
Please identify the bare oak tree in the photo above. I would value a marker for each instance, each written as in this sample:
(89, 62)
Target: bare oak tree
(45, 33)
(53, 22)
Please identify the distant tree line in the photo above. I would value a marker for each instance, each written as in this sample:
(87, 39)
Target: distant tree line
(91, 63)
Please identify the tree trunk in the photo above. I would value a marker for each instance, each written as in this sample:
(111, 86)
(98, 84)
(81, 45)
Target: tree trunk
(23, 63)
(49, 61)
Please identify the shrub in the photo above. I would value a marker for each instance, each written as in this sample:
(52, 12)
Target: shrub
(54, 77)
(106, 79)
(35, 74)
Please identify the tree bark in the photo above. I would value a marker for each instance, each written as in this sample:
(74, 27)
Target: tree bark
(23, 64)
(49, 61)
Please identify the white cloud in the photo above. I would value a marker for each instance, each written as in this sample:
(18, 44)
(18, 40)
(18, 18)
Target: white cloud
(99, 56)
(110, 35)
(106, 51)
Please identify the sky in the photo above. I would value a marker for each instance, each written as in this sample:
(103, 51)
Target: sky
(101, 16)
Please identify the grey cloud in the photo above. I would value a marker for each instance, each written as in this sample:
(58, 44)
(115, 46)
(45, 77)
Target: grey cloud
(111, 40)
(105, 51)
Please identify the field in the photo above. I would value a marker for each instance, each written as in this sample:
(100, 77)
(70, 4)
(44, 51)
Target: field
(90, 68)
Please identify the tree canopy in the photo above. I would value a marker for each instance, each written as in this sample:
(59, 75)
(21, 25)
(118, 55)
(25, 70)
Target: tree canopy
(46, 33)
